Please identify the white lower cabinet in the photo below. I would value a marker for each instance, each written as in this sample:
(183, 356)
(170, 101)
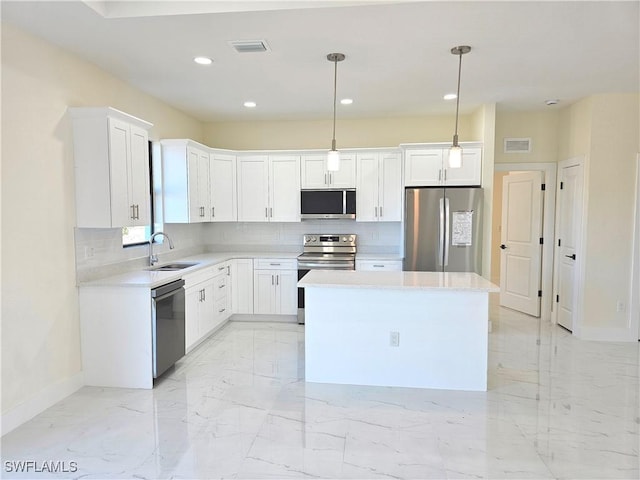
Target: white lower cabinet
(275, 286)
(242, 285)
(379, 265)
(207, 302)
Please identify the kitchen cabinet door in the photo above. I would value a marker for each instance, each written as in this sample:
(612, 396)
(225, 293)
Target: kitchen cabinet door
(199, 312)
(198, 185)
(253, 188)
(264, 293)
(242, 285)
(284, 188)
(390, 187)
(139, 186)
(367, 203)
(346, 176)
(222, 187)
(470, 174)
(423, 168)
(287, 292)
(313, 172)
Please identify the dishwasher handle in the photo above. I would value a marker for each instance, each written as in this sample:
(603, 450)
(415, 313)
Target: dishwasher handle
(166, 288)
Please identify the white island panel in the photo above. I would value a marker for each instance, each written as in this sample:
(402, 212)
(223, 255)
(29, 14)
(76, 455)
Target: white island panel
(442, 330)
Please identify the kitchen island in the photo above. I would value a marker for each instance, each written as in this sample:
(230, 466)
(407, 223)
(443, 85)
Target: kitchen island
(402, 329)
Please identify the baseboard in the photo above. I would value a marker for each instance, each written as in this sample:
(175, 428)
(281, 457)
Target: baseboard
(600, 334)
(240, 317)
(42, 400)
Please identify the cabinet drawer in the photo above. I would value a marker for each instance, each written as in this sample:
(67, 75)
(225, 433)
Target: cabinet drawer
(220, 284)
(221, 308)
(198, 277)
(222, 268)
(379, 265)
(276, 264)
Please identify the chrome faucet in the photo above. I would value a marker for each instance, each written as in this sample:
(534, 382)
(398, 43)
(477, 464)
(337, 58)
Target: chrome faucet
(153, 259)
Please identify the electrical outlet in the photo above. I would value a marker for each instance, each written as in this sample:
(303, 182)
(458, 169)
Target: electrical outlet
(620, 307)
(88, 252)
(394, 339)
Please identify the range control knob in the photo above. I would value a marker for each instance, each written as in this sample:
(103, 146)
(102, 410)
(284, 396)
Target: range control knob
(351, 238)
(344, 239)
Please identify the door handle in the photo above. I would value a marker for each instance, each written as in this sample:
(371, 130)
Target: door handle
(572, 257)
(503, 246)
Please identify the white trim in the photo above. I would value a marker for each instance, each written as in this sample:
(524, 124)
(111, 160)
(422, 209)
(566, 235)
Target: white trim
(607, 334)
(37, 404)
(548, 226)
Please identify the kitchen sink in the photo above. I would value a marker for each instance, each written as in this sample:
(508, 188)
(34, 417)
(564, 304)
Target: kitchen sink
(170, 267)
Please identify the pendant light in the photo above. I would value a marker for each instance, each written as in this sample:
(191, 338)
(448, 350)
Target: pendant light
(333, 158)
(455, 152)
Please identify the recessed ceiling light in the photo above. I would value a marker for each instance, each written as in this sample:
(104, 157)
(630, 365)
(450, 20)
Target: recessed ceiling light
(203, 60)
(250, 104)
(553, 101)
(450, 96)
(346, 101)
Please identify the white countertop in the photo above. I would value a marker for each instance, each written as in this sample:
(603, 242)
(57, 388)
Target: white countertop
(378, 256)
(459, 281)
(146, 278)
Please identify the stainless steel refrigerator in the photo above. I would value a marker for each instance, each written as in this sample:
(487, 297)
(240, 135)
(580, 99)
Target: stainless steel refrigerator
(443, 229)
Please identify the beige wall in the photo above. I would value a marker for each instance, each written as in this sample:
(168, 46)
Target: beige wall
(40, 329)
(350, 133)
(542, 127)
(605, 131)
(615, 142)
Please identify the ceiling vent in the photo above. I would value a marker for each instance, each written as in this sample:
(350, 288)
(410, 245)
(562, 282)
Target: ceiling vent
(250, 46)
(517, 145)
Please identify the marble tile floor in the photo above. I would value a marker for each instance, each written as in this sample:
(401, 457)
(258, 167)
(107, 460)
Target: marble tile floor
(238, 408)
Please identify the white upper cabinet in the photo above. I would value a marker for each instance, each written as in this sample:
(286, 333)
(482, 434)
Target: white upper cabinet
(379, 190)
(269, 188)
(428, 166)
(111, 155)
(185, 181)
(222, 187)
(314, 174)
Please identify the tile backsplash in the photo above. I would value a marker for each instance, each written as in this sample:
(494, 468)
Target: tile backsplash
(99, 251)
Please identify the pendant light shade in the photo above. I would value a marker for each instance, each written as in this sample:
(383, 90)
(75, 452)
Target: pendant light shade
(455, 152)
(333, 157)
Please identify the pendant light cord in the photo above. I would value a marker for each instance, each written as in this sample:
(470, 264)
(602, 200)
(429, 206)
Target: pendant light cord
(455, 137)
(335, 88)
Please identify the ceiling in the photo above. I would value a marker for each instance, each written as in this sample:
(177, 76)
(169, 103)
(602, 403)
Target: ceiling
(398, 60)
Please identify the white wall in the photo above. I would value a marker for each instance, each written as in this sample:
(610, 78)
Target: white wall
(40, 328)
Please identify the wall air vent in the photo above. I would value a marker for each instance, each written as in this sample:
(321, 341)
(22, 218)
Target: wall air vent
(249, 46)
(517, 145)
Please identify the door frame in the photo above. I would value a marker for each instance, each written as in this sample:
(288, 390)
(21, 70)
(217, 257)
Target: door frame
(578, 287)
(549, 170)
(635, 271)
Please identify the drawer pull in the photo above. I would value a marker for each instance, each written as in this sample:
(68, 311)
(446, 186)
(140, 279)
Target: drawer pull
(378, 266)
(220, 311)
(221, 286)
(221, 268)
(274, 264)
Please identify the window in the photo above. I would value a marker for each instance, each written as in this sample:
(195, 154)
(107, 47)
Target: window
(132, 236)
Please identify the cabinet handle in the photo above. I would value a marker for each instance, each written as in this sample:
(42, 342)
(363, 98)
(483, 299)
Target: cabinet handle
(381, 211)
(330, 178)
(221, 268)
(228, 269)
(221, 286)
(439, 174)
(204, 295)
(266, 212)
(445, 174)
(277, 279)
(137, 212)
(376, 212)
(378, 266)
(271, 212)
(272, 280)
(220, 311)
(325, 179)
(274, 264)
(133, 212)
(213, 212)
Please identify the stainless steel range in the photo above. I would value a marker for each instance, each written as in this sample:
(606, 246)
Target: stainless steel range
(325, 252)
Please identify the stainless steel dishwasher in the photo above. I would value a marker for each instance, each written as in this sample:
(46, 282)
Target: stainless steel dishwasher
(168, 313)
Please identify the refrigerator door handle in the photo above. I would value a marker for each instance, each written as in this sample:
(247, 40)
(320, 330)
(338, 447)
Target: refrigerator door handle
(441, 232)
(447, 231)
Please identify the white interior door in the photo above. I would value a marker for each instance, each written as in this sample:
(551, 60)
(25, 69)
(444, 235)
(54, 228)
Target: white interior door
(569, 229)
(521, 255)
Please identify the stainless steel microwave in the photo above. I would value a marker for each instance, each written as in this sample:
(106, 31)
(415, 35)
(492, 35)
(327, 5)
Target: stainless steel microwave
(335, 203)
